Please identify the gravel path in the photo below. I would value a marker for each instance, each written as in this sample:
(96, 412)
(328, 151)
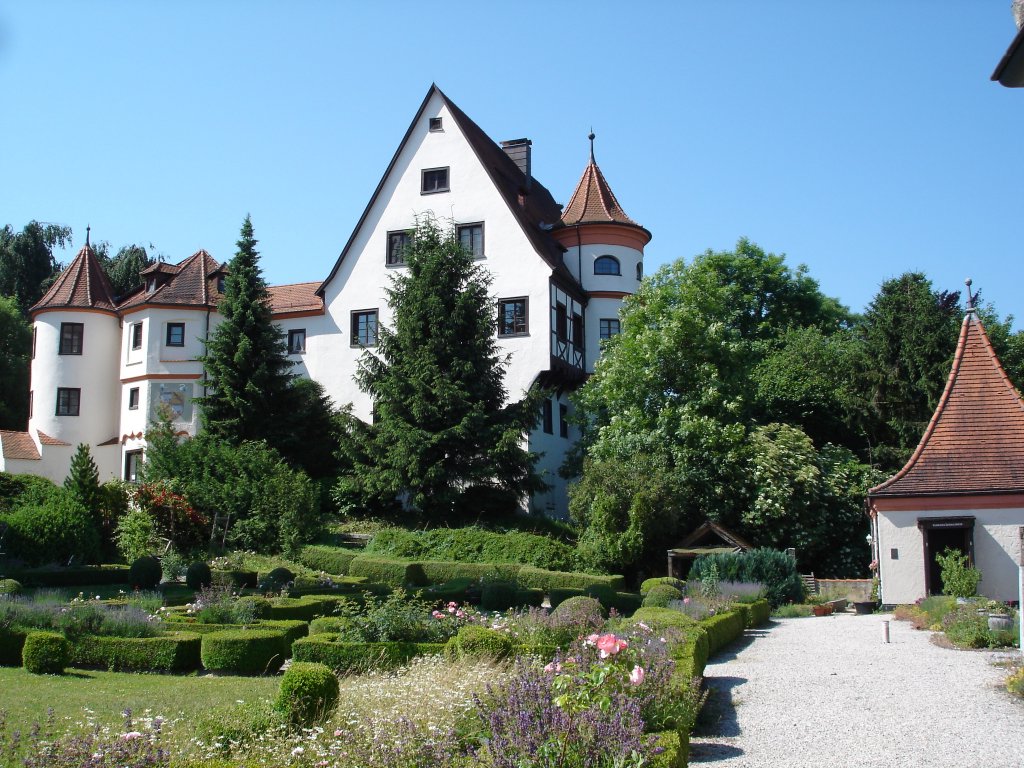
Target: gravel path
(829, 692)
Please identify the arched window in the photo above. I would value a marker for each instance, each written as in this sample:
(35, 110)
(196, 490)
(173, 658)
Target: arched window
(639, 270)
(606, 265)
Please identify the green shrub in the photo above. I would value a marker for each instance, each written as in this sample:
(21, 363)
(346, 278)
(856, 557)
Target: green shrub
(475, 545)
(179, 652)
(530, 597)
(660, 595)
(792, 611)
(383, 570)
(674, 749)
(244, 652)
(10, 587)
(476, 642)
(328, 624)
(332, 560)
(46, 653)
(293, 628)
(236, 578)
(758, 613)
(198, 575)
(276, 580)
(359, 657)
(440, 571)
(308, 694)
(145, 573)
(11, 643)
(58, 530)
(959, 579)
(689, 643)
(670, 580)
(250, 608)
(135, 535)
(302, 608)
(559, 596)
(498, 595)
(624, 603)
(540, 578)
(723, 629)
(581, 606)
(20, 490)
(775, 570)
(1015, 683)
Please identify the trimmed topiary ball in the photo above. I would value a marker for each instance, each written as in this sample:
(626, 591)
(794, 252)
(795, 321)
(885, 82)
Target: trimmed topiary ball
(670, 580)
(198, 575)
(586, 611)
(474, 641)
(145, 573)
(276, 580)
(308, 694)
(660, 595)
(46, 653)
(10, 587)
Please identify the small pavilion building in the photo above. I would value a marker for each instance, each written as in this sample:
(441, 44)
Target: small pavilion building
(963, 487)
(708, 539)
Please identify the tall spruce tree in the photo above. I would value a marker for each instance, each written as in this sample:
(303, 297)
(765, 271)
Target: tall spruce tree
(247, 368)
(443, 438)
(83, 479)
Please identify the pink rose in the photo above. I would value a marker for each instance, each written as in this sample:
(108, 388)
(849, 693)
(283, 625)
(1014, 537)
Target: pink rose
(552, 666)
(636, 677)
(609, 645)
(591, 639)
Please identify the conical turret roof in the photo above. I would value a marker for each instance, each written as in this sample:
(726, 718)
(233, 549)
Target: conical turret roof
(593, 201)
(83, 285)
(974, 443)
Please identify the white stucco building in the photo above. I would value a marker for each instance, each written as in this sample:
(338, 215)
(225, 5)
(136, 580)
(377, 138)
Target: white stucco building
(963, 488)
(102, 365)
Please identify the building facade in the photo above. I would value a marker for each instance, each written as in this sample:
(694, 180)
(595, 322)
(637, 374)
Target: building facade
(103, 366)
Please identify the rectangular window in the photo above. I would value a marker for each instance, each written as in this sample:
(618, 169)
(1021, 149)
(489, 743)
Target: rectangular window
(547, 417)
(512, 317)
(608, 327)
(175, 334)
(71, 338)
(577, 330)
(434, 180)
(364, 328)
(136, 335)
(435, 124)
(472, 238)
(398, 242)
(561, 322)
(68, 401)
(296, 341)
(132, 463)
(31, 401)
(133, 399)
(33, 342)
(563, 420)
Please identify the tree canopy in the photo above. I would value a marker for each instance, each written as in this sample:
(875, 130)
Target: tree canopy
(444, 436)
(15, 348)
(27, 263)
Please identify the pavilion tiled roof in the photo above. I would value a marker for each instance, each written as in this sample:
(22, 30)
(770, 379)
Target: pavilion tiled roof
(83, 285)
(593, 202)
(974, 443)
(45, 439)
(193, 282)
(297, 297)
(18, 445)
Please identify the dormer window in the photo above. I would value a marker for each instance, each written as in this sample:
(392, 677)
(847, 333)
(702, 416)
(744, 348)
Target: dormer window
(607, 265)
(220, 283)
(151, 285)
(434, 180)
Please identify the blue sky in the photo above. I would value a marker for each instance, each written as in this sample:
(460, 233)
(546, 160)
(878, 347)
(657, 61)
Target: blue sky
(862, 139)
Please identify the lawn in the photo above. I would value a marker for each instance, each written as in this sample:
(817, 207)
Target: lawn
(82, 695)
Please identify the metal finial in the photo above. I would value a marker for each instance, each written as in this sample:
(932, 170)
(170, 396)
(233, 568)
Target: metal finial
(87, 230)
(970, 298)
(591, 137)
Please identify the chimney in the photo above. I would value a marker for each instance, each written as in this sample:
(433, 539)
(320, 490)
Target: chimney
(519, 151)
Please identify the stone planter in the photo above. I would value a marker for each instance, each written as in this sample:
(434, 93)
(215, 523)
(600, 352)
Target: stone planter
(865, 607)
(824, 609)
(1000, 622)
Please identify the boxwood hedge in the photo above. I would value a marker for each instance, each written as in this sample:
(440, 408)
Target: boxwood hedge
(358, 657)
(474, 545)
(46, 653)
(71, 577)
(178, 652)
(332, 560)
(11, 643)
(308, 694)
(388, 571)
(244, 651)
(540, 578)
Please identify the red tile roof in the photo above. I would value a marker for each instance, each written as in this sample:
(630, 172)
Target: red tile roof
(83, 285)
(18, 445)
(974, 443)
(594, 202)
(45, 439)
(193, 282)
(297, 297)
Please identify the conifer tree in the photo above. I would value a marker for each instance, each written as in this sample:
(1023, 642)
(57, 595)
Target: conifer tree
(83, 479)
(247, 369)
(443, 438)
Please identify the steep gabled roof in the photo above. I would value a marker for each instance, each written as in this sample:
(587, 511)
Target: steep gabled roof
(83, 285)
(192, 283)
(529, 201)
(974, 443)
(297, 297)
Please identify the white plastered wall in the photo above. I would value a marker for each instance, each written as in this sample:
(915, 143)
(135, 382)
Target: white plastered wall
(996, 552)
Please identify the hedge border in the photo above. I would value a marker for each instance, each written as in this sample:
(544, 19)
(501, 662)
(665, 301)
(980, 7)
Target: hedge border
(357, 657)
(179, 652)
